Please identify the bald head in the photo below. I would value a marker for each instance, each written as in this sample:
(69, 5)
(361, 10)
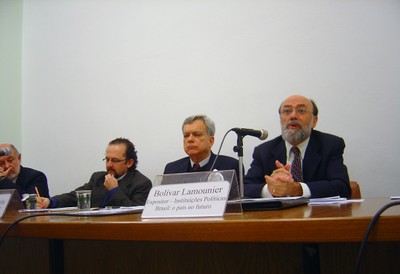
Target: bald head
(11, 147)
(301, 100)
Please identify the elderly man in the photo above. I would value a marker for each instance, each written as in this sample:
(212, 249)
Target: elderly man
(198, 138)
(14, 176)
(302, 161)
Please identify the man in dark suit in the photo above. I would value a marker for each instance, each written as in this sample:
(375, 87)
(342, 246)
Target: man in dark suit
(120, 185)
(198, 139)
(313, 168)
(15, 176)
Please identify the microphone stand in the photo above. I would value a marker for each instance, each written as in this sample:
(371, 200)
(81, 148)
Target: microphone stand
(239, 149)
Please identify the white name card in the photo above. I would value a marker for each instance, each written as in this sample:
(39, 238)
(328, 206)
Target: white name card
(203, 199)
(4, 199)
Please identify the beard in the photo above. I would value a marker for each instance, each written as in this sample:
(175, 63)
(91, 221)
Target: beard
(12, 174)
(296, 136)
(111, 171)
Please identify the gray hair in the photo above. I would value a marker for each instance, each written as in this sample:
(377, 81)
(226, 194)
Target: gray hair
(210, 126)
(15, 149)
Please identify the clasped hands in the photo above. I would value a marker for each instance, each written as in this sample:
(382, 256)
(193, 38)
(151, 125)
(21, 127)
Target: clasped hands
(281, 184)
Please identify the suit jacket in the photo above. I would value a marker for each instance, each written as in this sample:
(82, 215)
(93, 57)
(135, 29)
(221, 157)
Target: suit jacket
(323, 169)
(223, 163)
(27, 180)
(132, 190)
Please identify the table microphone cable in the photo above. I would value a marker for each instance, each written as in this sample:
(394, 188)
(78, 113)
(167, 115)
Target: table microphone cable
(219, 150)
(368, 232)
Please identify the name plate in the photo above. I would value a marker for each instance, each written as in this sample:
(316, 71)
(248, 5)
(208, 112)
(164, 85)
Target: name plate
(4, 199)
(203, 199)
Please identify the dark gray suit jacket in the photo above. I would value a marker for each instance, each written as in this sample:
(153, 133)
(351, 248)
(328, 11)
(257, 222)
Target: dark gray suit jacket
(323, 169)
(132, 190)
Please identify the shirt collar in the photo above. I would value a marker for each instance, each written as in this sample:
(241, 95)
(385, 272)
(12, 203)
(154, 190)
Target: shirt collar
(202, 163)
(302, 147)
(121, 177)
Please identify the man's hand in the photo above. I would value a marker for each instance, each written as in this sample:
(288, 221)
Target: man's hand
(282, 172)
(42, 202)
(110, 182)
(280, 182)
(4, 173)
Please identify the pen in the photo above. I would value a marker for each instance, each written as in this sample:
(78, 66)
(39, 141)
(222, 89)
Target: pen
(37, 193)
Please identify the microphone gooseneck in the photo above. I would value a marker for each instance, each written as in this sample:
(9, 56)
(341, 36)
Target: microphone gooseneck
(241, 132)
(261, 134)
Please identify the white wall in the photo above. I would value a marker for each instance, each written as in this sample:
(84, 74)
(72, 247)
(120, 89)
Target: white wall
(97, 70)
(10, 71)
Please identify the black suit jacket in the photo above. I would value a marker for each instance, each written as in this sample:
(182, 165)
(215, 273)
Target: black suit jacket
(27, 180)
(132, 190)
(323, 169)
(223, 163)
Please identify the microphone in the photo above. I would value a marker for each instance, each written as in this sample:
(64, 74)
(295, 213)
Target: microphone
(261, 134)
(5, 151)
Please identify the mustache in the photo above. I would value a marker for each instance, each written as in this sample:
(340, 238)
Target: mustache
(293, 123)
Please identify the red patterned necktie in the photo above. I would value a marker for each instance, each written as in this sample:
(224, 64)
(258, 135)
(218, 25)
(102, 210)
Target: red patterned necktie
(296, 165)
(196, 167)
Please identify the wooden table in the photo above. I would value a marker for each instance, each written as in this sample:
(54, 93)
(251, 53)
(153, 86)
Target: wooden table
(253, 242)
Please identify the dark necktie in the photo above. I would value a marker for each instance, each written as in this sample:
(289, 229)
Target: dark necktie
(196, 167)
(296, 165)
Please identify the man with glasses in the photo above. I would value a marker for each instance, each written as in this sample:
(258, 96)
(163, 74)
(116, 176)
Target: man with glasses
(120, 185)
(14, 176)
(302, 161)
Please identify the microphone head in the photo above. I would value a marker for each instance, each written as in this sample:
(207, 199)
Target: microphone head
(5, 151)
(264, 134)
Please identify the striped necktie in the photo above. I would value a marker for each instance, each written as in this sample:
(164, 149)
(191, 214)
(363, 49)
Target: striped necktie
(296, 165)
(196, 167)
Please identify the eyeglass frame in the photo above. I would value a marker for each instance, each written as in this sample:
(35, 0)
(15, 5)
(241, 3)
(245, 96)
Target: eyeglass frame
(314, 108)
(114, 161)
(299, 111)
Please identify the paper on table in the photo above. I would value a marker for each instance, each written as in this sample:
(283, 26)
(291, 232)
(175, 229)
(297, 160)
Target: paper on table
(332, 200)
(106, 211)
(38, 210)
(92, 211)
(265, 199)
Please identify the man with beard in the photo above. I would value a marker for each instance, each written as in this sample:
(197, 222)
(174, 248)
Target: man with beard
(15, 176)
(302, 161)
(120, 185)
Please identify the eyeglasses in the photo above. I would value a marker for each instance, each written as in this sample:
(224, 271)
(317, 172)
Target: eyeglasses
(114, 161)
(299, 111)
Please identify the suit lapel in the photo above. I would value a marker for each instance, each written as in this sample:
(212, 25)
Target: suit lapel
(186, 166)
(126, 180)
(312, 157)
(279, 152)
(21, 178)
(210, 162)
